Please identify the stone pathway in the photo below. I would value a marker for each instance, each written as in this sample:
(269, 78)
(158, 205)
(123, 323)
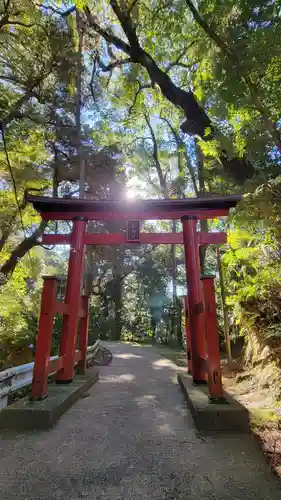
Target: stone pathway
(132, 437)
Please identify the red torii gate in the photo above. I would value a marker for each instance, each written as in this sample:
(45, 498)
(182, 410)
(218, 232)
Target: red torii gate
(200, 306)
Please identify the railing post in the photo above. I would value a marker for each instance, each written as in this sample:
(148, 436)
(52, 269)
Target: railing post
(44, 339)
(83, 337)
(187, 334)
(195, 299)
(212, 336)
(72, 298)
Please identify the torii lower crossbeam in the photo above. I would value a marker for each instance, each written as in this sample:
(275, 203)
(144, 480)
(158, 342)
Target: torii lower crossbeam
(145, 239)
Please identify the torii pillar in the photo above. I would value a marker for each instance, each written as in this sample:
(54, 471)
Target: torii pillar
(198, 348)
(72, 299)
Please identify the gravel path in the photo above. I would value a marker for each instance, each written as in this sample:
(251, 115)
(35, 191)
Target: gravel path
(132, 438)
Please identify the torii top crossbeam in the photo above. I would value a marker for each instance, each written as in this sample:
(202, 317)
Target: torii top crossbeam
(68, 209)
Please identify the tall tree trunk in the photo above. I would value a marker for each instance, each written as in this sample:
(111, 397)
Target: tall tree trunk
(174, 285)
(153, 324)
(202, 192)
(79, 79)
(89, 271)
(88, 275)
(155, 154)
(179, 325)
(176, 312)
(104, 315)
(181, 145)
(117, 301)
(224, 307)
(55, 173)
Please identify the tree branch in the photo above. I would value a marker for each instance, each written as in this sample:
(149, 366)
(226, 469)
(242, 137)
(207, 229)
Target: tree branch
(139, 139)
(133, 4)
(140, 89)
(114, 64)
(91, 84)
(208, 30)
(62, 13)
(180, 144)
(5, 19)
(20, 251)
(12, 113)
(29, 92)
(6, 4)
(9, 225)
(185, 65)
(156, 155)
(197, 119)
(127, 24)
(20, 23)
(180, 98)
(109, 37)
(177, 61)
(13, 79)
(160, 8)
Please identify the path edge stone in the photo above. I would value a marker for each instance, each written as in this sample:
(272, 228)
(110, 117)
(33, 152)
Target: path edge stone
(208, 416)
(33, 415)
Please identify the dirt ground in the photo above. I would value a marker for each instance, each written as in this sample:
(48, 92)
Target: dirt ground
(265, 411)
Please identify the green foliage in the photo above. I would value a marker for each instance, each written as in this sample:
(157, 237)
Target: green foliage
(252, 268)
(19, 305)
(130, 139)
